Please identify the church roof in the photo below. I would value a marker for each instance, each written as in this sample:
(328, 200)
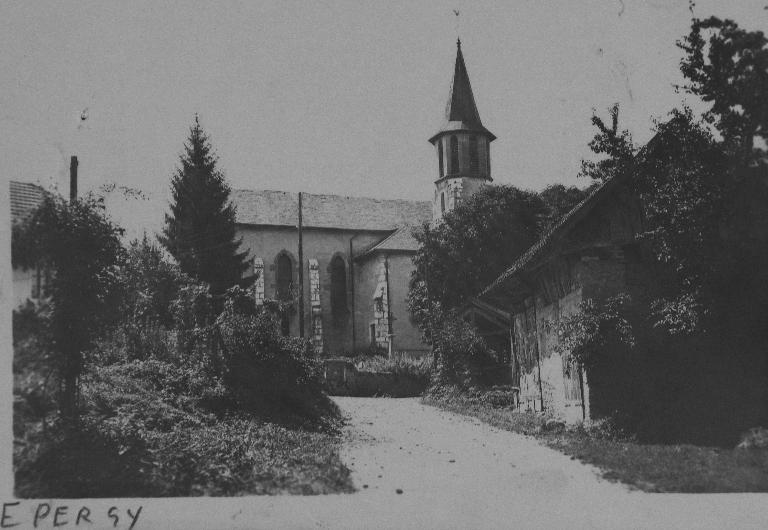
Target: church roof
(461, 111)
(25, 197)
(401, 240)
(280, 208)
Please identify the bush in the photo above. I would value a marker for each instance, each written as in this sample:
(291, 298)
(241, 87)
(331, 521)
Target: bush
(462, 354)
(269, 374)
(148, 429)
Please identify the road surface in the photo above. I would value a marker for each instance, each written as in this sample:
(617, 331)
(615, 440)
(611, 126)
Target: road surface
(456, 472)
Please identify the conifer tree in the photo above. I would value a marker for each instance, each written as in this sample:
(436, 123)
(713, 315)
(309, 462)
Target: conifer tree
(200, 229)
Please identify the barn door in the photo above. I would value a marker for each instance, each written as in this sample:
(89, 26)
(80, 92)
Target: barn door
(573, 385)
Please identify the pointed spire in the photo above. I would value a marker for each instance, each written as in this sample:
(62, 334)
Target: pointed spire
(461, 103)
(461, 111)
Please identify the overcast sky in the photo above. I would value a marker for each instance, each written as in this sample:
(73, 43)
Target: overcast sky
(331, 97)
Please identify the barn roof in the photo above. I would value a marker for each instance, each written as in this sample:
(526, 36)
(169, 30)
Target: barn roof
(280, 208)
(554, 235)
(25, 197)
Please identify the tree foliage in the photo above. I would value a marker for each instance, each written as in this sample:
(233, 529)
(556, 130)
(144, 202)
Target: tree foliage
(614, 145)
(200, 230)
(560, 200)
(474, 243)
(82, 249)
(151, 283)
(727, 66)
(595, 326)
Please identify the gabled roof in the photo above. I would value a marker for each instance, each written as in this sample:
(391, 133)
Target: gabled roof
(555, 234)
(25, 197)
(281, 208)
(401, 240)
(461, 111)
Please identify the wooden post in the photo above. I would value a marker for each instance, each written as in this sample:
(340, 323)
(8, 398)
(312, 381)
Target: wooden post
(301, 273)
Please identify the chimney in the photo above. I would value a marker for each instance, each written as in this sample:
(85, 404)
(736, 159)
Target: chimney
(73, 178)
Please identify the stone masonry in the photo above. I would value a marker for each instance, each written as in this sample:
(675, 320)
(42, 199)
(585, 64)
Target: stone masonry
(316, 308)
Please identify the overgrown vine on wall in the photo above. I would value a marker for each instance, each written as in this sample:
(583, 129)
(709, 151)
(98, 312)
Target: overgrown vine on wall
(588, 333)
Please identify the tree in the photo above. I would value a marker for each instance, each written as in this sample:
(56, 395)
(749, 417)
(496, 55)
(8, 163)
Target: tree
(474, 243)
(728, 66)
(200, 230)
(82, 249)
(614, 145)
(560, 200)
(151, 283)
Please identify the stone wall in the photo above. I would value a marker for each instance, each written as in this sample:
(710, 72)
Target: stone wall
(322, 245)
(341, 378)
(370, 281)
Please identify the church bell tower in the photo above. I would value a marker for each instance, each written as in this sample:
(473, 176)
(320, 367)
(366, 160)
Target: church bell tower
(462, 144)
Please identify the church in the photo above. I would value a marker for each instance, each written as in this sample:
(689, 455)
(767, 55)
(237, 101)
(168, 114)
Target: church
(345, 263)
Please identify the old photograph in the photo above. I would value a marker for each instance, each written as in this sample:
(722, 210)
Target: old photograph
(384, 264)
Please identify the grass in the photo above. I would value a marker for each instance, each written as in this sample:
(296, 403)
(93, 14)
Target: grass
(649, 467)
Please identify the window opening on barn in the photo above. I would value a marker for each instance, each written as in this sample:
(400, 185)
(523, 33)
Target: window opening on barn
(454, 155)
(474, 159)
(338, 286)
(373, 334)
(442, 202)
(440, 156)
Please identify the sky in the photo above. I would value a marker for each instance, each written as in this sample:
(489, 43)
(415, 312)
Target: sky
(326, 97)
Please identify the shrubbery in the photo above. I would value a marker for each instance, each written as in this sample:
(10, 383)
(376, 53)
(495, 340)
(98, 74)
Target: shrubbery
(462, 355)
(264, 371)
(175, 399)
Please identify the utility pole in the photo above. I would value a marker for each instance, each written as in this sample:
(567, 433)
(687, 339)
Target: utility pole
(73, 178)
(301, 274)
(389, 307)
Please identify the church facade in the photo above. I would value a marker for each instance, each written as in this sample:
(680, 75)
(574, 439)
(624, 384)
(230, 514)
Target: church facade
(345, 263)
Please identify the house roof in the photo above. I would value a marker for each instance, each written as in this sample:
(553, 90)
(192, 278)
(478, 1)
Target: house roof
(280, 208)
(401, 240)
(461, 111)
(555, 234)
(25, 197)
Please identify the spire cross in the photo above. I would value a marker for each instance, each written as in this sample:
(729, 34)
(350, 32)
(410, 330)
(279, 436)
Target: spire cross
(458, 20)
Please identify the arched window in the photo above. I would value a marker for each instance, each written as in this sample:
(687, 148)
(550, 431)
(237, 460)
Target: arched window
(442, 202)
(338, 286)
(454, 155)
(284, 277)
(440, 156)
(474, 159)
(284, 286)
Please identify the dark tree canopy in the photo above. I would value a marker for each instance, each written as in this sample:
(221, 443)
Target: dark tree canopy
(560, 200)
(728, 67)
(200, 230)
(81, 248)
(474, 243)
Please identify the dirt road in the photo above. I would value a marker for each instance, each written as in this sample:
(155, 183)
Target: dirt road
(456, 472)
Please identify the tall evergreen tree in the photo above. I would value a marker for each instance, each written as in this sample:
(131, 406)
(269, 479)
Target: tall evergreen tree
(200, 230)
